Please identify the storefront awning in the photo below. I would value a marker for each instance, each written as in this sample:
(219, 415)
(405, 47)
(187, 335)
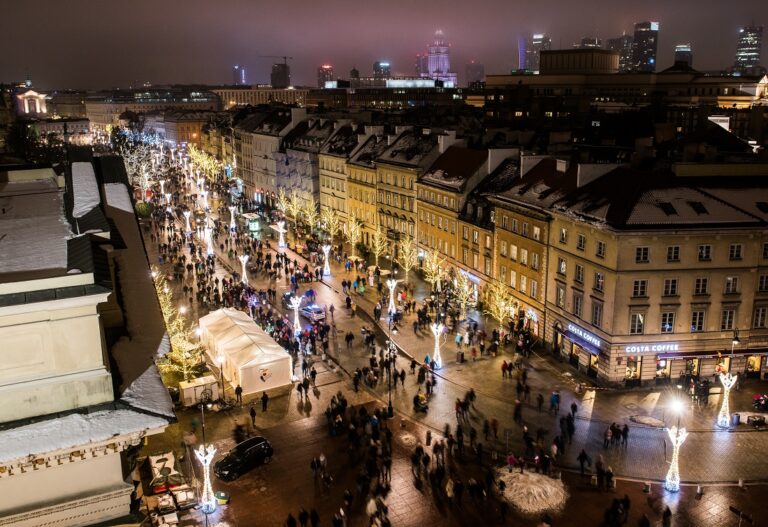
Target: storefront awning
(709, 354)
(576, 339)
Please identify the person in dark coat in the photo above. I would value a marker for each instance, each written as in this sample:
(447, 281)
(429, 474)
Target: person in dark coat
(264, 401)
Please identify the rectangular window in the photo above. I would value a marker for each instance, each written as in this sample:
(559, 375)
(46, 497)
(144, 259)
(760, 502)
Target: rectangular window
(513, 253)
(534, 289)
(561, 266)
(731, 285)
(523, 283)
(534, 260)
(503, 248)
(673, 253)
(523, 256)
(464, 256)
(579, 274)
(514, 225)
(513, 279)
(487, 241)
(597, 314)
(726, 319)
(642, 254)
(599, 281)
(581, 242)
(668, 322)
(734, 252)
(765, 251)
(474, 261)
(465, 233)
(563, 235)
(640, 288)
(578, 300)
(670, 286)
(762, 283)
(560, 293)
(525, 229)
(503, 274)
(475, 236)
(636, 323)
(504, 222)
(697, 321)
(705, 253)
(761, 317)
(701, 286)
(536, 233)
(600, 251)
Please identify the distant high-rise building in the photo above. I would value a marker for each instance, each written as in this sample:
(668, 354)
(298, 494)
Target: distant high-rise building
(623, 45)
(589, 42)
(748, 47)
(422, 65)
(238, 75)
(281, 75)
(683, 53)
(645, 46)
(324, 74)
(530, 50)
(354, 73)
(381, 70)
(475, 73)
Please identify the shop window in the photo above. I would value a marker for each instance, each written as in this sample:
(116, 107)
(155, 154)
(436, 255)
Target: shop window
(668, 322)
(640, 288)
(697, 321)
(761, 317)
(705, 253)
(734, 252)
(673, 253)
(726, 319)
(731, 285)
(642, 255)
(753, 364)
(662, 369)
(670, 287)
(636, 323)
(633, 368)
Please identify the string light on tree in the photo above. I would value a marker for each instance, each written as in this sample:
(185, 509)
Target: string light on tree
(437, 331)
(327, 266)
(727, 381)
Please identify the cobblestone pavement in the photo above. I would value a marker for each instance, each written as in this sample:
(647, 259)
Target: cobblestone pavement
(707, 455)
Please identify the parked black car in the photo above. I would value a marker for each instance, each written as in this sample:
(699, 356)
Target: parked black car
(244, 457)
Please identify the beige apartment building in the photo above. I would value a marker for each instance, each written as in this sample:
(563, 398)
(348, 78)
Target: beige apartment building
(361, 183)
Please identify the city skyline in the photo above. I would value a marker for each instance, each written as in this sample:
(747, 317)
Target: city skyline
(180, 47)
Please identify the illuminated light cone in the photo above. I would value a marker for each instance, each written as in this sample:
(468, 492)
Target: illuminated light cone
(207, 498)
(281, 229)
(244, 260)
(232, 225)
(437, 330)
(392, 284)
(327, 266)
(677, 436)
(727, 380)
(187, 226)
(294, 304)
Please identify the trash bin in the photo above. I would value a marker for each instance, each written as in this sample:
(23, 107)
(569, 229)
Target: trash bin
(461, 357)
(222, 498)
(735, 419)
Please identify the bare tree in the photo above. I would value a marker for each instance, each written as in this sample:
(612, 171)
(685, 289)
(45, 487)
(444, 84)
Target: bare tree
(434, 269)
(331, 222)
(353, 232)
(408, 256)
(499, 302)
(379, 243)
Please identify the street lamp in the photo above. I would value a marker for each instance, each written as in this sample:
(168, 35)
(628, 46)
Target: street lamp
(244, 260)
(327, 266)
(437, 331)
(294, 304)
(727, 380)
(677, 436)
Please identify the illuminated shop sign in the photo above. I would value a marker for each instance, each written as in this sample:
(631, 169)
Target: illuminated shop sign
(586, 336)
(641, 348)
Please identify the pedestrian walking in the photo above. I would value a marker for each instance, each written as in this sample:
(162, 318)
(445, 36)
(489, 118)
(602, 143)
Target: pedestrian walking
(253, 416)
(540, 401)
(303, 517)
(264, 401)
(573, 409)
(239, 394)
(583, 459)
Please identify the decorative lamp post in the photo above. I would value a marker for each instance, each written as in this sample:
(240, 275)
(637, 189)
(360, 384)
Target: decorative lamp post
(327, 266)
(187, 226)
(437, 330)
(281, 229)
(392, 284)
(162, 186)
(204, 195)
(727, 380)
(168, 202)
(232, 225)
(207, 499)
(294, 304)
(677, 436)
(208, 233)
(243, 260)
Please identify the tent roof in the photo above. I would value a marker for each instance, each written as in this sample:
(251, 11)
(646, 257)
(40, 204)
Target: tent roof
(241, 339)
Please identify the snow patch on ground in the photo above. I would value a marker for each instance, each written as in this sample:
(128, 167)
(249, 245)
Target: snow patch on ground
(149, 393)
(408, 439)
(647, 420)
(84, 188)
(71, 431)
(118, 197)
(533, 493)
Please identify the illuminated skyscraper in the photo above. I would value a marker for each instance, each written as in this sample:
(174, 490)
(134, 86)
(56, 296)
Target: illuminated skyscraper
(382, 70)
(530, 50)
(439, 60)
(324, 74)
(748, 47)
(623, 45)
(645, 46)
(683, 53)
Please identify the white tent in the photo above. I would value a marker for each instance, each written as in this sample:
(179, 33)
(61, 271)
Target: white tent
(251, 358)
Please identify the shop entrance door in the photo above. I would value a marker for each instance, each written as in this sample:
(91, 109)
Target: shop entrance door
(632, 375)
(753, 367)
(592, 365)
(573, 357)
(663, 368)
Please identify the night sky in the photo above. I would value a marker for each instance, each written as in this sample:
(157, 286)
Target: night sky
(110, 43)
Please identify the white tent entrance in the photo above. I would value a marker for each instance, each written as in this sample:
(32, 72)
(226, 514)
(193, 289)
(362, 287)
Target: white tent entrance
(245, 352)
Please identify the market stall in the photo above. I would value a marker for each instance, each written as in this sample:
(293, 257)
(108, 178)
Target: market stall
(248, 356)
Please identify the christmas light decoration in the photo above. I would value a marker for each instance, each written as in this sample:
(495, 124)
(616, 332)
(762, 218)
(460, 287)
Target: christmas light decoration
(392, 284)
(207, 499)
(281, 230)
(437, 331)
(326, 266)
(208, 236)
(727, 381)
(677, 436)
(232, 225)
(187, 226)
(294, 304)
(243, 260)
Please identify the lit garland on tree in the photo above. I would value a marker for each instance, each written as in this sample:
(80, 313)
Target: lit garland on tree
(498, 302)
(379, 243)
(352, 232)
(408, 256)
(434, 269)
(331, 222)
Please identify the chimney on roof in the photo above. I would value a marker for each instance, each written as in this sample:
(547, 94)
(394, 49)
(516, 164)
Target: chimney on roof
(445, 140)
(497, 155)
(528, 162)
(588, 172)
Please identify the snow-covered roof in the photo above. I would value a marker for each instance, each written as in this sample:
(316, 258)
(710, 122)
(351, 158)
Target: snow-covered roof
(118, 197)
(84, 188)
(33, 228)
(71, 431)
(411, 148)
(682, 205)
